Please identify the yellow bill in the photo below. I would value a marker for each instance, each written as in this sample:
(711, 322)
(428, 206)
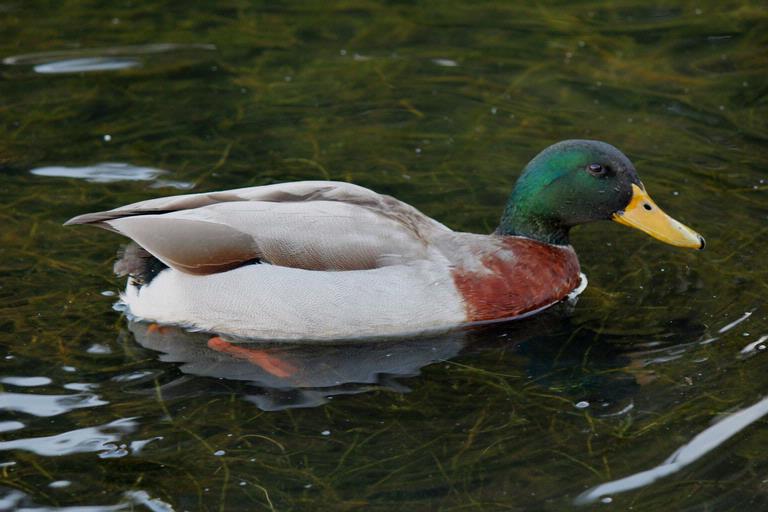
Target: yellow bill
(643, 214)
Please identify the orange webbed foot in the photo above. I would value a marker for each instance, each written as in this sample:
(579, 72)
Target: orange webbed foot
(261, 358)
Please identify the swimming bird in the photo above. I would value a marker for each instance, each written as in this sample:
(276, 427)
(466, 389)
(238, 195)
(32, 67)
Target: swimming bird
(325, 260)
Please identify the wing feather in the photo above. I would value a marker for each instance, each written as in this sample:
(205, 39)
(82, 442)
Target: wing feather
(311, 225)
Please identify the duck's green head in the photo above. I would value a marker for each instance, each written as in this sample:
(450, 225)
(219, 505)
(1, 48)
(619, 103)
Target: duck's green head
(578, 181)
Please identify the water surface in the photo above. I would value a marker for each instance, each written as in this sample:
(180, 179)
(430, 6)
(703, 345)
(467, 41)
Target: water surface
(648, 394)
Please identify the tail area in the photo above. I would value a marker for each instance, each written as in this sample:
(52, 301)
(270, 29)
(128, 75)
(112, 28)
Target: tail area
(139, 264)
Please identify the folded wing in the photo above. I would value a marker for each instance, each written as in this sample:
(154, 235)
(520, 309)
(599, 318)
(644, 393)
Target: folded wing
(316, 225)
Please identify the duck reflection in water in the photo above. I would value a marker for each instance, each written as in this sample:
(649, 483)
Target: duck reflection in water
(288, 375)
(548, 349)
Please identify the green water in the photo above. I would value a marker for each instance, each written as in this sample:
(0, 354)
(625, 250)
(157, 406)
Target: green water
(440, 104)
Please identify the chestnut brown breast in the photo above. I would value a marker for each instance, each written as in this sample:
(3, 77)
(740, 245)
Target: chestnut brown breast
(521, 276)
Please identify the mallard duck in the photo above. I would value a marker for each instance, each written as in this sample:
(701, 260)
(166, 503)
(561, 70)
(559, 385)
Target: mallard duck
(325, 260)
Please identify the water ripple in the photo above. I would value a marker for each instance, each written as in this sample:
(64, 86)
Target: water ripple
(26, 381)
(703, 443)
(15, 500)
(45, 406)
(753, 347)
(109, 172)
(98, 59)
(85, 65)
(8, 426)
(100, 439)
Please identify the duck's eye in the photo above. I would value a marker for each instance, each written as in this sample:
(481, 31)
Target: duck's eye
(597, 169)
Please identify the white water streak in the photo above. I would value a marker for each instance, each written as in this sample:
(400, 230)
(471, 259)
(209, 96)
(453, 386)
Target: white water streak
(735, 322)
(752, 346)
(702, 444)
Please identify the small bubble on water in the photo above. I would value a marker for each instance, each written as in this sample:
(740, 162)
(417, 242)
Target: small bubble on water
(582, 405)
(607, 499)
(69, 369)
(108, 293)
(107, 138)
(325, 433)
(494, 110)
(242, 483)
(342, 52)
(418, 151)
(59, 484)
(675, 193)
(219, 453)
